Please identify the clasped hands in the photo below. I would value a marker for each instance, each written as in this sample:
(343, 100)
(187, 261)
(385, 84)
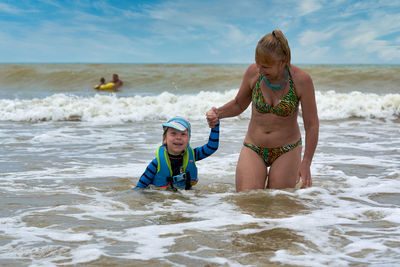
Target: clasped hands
(212, 117)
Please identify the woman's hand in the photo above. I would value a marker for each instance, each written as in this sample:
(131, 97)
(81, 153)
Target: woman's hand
(212, 117)
(305, 174)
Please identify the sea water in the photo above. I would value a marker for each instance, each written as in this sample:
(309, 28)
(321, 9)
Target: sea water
(70, 156)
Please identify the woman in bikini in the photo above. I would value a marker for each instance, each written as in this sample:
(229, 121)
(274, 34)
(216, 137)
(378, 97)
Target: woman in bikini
(272, 147)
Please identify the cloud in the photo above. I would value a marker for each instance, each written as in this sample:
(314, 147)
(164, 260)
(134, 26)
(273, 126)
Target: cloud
(187, 21)
(308, 6)
(369, 43)
(314, 54)
(9, 9)
(234, 35)
(369, 36)
(51, 3)
(360, 34)
(224, 31)
(309, 37)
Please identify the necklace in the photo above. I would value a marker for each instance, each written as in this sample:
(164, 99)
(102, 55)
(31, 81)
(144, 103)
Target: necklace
(276, 87)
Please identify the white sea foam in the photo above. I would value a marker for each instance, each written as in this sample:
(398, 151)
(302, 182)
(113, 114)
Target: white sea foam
(69, 199)
(332, 105)
(86, 253)
(69, 237)
(103, 108)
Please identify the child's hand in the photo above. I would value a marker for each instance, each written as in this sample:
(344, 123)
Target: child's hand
(212, 117)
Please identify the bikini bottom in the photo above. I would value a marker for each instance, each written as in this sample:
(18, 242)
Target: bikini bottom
(269, 155)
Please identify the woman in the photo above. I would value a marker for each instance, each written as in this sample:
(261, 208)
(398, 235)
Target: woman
(273, 145)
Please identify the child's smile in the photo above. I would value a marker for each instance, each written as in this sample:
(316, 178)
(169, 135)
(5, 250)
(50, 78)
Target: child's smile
(177, 141)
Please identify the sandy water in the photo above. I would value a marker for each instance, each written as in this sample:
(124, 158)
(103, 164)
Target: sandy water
(69, 160)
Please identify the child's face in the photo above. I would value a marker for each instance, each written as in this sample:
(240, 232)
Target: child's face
(176, 141)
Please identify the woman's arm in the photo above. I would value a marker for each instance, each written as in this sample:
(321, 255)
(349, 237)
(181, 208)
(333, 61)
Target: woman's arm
(311, 126)
(240, 103)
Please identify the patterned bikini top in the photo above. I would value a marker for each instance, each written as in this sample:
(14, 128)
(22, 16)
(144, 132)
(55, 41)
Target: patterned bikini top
(286, 107)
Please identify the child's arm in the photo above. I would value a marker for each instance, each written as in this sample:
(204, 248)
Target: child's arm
(148, 175)
(209, 148)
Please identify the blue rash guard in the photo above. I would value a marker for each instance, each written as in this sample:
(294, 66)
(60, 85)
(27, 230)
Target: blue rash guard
(200, 153)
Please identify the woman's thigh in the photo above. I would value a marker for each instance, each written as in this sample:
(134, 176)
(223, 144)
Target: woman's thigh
(251, 171)
(283, 172)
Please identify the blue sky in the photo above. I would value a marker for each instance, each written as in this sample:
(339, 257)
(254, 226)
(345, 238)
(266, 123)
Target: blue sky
(186, 31)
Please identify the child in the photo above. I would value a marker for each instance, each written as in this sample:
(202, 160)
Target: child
(102, 82)
(175, 163)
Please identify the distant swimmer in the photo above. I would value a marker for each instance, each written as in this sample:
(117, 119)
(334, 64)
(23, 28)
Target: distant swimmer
(102, 82)
(111, 86)
(117, 82)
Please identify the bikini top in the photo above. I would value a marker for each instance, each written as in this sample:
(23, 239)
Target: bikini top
(286, 107)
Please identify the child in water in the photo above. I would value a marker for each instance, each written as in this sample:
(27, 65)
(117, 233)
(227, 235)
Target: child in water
(174, 166)
(102, 82)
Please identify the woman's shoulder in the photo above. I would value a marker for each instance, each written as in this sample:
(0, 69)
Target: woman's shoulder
(252, 70)
(252, 74)
(300, 76)
(299, 73)
(301, 79)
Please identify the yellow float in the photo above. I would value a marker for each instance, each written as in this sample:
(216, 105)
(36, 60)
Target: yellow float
(107, 86)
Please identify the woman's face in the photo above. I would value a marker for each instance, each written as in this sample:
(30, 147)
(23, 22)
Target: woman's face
(177, 141)
(270, 67)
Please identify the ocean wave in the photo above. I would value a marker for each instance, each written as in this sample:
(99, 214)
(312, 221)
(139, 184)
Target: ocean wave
(111, 108)
(333, 105)
(62, 107)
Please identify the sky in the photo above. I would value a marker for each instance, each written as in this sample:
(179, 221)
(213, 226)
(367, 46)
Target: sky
(200, 32)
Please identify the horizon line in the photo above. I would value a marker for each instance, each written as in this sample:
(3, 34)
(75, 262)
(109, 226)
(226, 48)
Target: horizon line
(188, 63)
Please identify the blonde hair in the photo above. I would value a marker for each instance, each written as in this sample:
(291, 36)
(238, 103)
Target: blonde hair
(273, 43)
